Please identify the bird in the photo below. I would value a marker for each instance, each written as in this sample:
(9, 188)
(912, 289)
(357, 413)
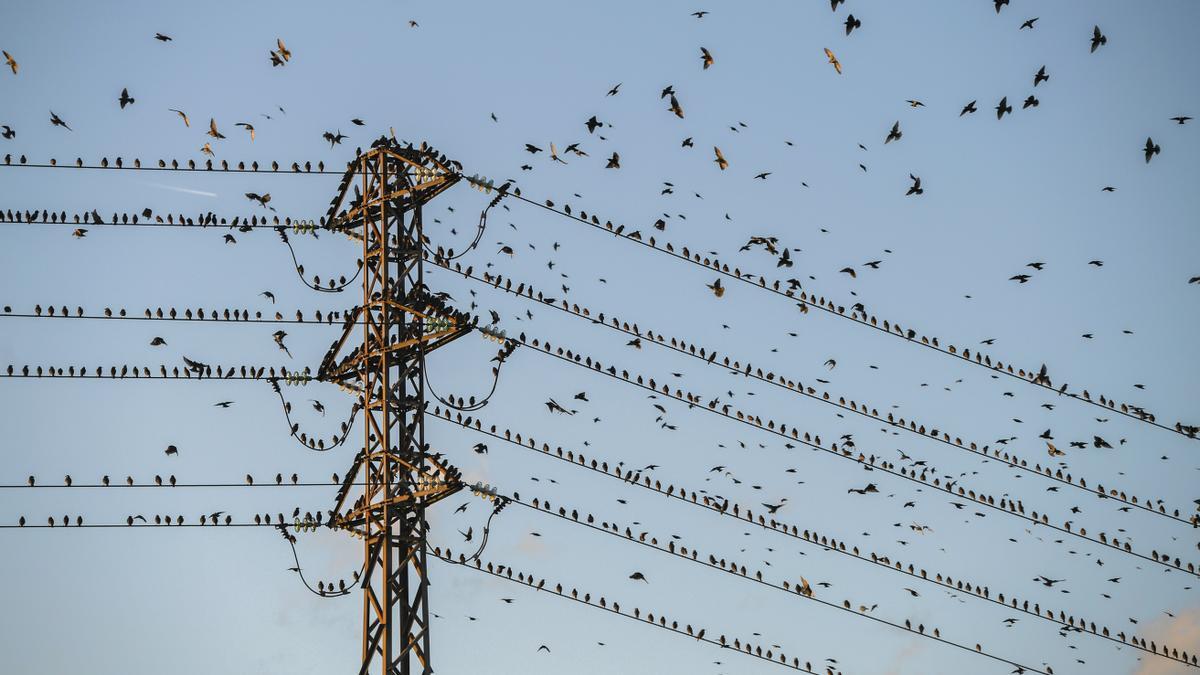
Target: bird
(1151, 149)
(1028, 23)
(206, 149)
(212, 129)
(592, 124)
(162, 38)
(469, 534)
(1040, 76)
(157, 342)
(716, 287)
(182, 116)
(706, 58)
(279, 335)
(614, 90)
(614, 162)
(125, 99)
(12, 63)
(720, 160)
(79, 233)
(282, 56)
(1020, 278)
(318, 406)
(852, 23)
(833, 60)
(262, 199)
(248, 127)
(334, 139)
(638, 576)
(1003, 107)
(480, 448)
(55, 120)
(1182, 119)
(171, 450)
(831, 364)
(1098, 38)
(8, 132)
(914, 103)
(894, 134)
(1030, 102)
(700, 15)
(268, 295)
(675, 107)
(998, 4)
(544, 647)
(915, 188)
(968, 108)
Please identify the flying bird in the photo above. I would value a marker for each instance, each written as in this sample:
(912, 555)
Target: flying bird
(1151, 149)
(182, 115)
(837, 65)
(706, 57)
(852, 23)
(1003, 107)
(1040, 76)
(55, 120)
(162, 38)
(1098, 38)
(248, 127)
(212, 129)
(915, 188)
(1182, 119)
(894, 134)
(12, 63)
(968, 108)
(720, 160)
(1028, 23)
(125, 99)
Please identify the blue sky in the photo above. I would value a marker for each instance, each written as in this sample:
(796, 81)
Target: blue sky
(998, 195)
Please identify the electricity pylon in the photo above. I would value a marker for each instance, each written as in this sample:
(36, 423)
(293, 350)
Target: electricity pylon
(401, 322)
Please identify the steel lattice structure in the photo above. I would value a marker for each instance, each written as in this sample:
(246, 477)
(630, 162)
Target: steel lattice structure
(401, 323)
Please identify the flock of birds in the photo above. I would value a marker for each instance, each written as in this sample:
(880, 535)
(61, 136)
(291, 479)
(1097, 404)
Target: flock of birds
(281, 56)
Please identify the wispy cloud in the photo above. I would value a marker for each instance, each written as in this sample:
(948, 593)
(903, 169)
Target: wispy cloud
(189, 191)
(1181, 631)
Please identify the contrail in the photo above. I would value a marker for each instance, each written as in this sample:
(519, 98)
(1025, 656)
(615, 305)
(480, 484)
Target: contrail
(190, 191)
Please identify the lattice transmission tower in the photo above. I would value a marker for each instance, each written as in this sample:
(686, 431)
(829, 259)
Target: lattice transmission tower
(379, 201)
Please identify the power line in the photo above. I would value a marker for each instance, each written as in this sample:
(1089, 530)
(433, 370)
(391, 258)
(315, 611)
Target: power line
(1006, 506)
(708, 356)
(860, 317)
(527, 580)
(743, 514)
(797, 589)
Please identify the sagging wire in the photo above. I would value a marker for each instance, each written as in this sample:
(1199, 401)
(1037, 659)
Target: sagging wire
(501, 358)
(316, 285)
(342, 591)
(294, 427)
(449, 254)
(489, 493)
